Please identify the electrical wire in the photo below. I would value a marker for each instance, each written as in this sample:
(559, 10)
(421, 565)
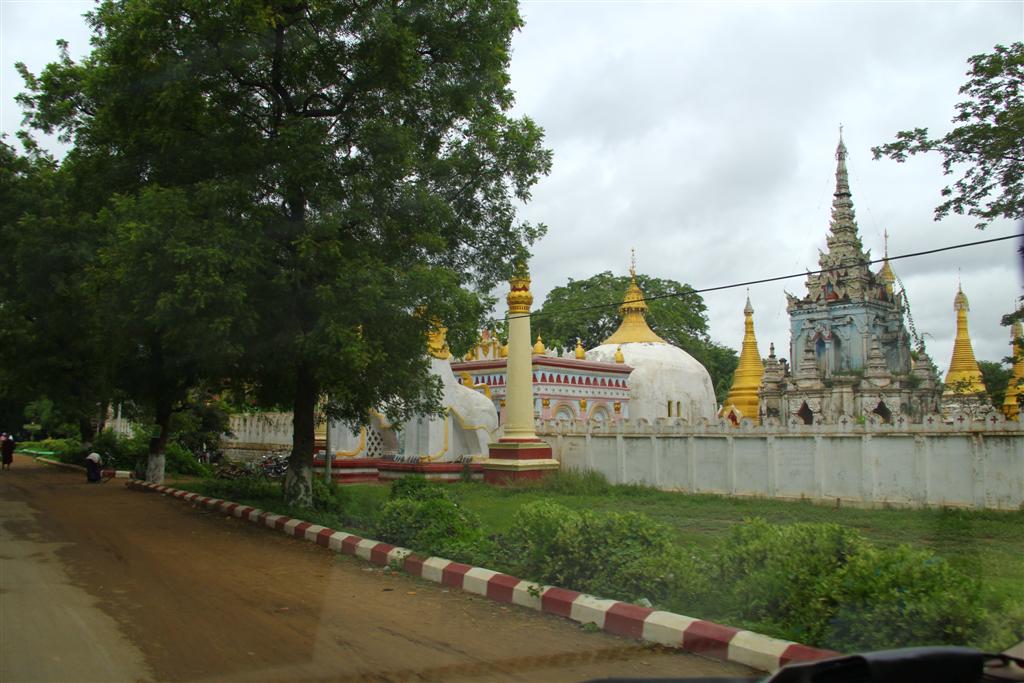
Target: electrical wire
(777, 278)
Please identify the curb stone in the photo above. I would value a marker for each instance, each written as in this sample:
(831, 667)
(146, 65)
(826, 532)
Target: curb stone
(620, 618)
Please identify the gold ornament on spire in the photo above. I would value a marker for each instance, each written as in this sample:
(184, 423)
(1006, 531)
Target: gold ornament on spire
(634, 327)
(580, 352)
(964, 376)
(519, 298)
(538, 348)
(747, 380)
(885, 274)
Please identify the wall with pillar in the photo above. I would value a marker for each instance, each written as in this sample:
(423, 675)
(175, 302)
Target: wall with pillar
(977, 464)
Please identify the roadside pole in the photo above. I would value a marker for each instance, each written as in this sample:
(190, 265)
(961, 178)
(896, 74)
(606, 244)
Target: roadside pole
(328, 454)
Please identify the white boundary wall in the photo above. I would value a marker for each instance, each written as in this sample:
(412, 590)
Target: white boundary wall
(966, 463)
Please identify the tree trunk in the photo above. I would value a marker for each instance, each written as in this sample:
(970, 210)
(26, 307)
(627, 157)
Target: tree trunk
(298, 482)
(102, 422)
(158, 444)
(87, 430)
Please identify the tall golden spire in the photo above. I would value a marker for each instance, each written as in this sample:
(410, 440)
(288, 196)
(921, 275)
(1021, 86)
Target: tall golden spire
(964, 376)
(633, 310)
(747, 380)
(885, 274)
(1011, 408)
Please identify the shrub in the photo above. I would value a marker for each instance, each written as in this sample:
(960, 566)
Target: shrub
(418, 488)
(180, 460)
(437, 526)
(627, 556)
(243, 488)
(65, 450)
(120, 452)
(781, 577)
(1005, 627)
(906, 596)
(329, 497)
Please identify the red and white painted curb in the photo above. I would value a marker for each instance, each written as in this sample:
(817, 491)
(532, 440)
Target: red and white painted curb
(624, 619)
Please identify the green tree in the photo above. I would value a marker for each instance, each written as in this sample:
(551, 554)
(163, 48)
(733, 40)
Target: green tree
(376, 157)
(588, 309)
(172, 277)
(996, 377)
(986, 143)
(49, 342)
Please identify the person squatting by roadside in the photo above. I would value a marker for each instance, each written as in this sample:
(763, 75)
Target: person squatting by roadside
(92, 468)
(6, 450)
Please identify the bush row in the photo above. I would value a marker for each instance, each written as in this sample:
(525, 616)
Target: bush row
(121, 453)
(820, 584)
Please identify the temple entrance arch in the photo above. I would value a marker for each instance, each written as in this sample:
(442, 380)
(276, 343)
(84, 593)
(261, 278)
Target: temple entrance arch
(806, 414)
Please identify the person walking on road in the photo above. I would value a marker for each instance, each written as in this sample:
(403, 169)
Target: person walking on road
(7, 450)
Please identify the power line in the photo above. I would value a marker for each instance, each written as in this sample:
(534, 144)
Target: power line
(778, 278)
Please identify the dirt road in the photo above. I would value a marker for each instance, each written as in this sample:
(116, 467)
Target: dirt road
(102, 583)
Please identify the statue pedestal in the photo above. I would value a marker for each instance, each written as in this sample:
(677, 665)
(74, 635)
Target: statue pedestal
(348, 470)
(518, 459)
(434, 471)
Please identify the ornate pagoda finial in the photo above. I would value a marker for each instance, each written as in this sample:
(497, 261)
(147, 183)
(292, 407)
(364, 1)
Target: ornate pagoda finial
(632, 263)
(633, 310)
(885, 274)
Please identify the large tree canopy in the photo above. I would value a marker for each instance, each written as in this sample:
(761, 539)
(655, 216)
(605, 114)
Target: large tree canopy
(986, 143)
(50, 343)
(364, 148)
(588, 309)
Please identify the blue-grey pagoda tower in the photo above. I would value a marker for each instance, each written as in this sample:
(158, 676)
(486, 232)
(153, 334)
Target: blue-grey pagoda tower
(849, 350)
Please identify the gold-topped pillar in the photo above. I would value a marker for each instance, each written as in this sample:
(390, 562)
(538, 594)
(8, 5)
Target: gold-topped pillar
(519, 454)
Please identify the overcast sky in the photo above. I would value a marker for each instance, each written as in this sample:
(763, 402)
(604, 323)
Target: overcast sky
(703, 135)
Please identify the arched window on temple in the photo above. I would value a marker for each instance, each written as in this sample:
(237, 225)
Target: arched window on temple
(806, 414)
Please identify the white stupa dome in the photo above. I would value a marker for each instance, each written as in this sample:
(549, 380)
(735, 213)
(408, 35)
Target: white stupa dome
(666, 381)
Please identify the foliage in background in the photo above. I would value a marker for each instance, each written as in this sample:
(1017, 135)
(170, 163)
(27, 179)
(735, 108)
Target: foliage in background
(589, 309)
(996, 377)
(986, 142)
(47, 421)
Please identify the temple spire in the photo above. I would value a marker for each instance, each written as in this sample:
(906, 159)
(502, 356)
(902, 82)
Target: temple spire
(1015, 387)
(885, 274)
(634, 327)
(742, 398)
(964, 375)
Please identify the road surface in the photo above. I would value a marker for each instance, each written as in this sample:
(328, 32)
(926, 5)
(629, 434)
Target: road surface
(99, 583)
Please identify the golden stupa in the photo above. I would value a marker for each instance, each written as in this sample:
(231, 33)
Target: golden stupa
(633, 310)
(742, 398)
(1011, 406)
(964, 376)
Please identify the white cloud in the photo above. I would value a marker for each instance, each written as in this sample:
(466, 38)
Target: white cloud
(703, 134)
